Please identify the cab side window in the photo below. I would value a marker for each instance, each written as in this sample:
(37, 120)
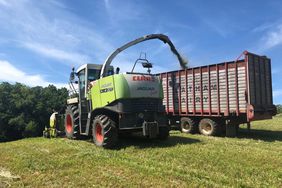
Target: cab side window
(82, 83)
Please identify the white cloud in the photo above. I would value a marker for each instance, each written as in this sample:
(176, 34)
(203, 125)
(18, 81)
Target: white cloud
(124, 12)
(272, 38)
(51, 30)
(10, 73)
(58, 54)
(4, 3)
(263, 27)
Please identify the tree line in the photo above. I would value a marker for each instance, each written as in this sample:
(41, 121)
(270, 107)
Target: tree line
(25, 111)
(279, 108)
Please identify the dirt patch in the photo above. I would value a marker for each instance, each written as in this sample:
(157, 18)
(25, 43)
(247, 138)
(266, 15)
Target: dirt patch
(7, 174)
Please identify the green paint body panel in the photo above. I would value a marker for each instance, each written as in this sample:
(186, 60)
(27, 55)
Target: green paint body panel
(121, 87)
(124, 86)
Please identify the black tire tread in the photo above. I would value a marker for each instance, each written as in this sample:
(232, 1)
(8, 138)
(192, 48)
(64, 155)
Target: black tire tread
(109, 130)
(73, 110)
(193, 125)
(216, 128)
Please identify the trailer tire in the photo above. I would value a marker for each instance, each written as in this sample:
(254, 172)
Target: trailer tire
(104, 131)
(72, 122)
(163, 133)
(209, 127)
(188, 125)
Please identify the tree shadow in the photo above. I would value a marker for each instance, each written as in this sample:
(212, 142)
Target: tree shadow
(143, 142)
(265, 135)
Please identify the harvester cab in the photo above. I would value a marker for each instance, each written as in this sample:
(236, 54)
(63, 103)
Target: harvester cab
(87, 74)
(106, 104)
(84, 78)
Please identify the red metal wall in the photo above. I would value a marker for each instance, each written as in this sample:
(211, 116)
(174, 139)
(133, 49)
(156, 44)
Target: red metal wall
(221, 89)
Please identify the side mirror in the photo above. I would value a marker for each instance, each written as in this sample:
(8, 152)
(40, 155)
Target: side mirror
(72, 74)
(117, 70)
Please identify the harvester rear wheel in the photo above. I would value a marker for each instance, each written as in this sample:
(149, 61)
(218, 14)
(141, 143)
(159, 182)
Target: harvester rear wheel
(104, 131)
(72, 122)
(209, 127)
(188, 125)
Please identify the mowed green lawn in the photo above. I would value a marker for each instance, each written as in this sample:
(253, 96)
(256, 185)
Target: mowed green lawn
(252, 160)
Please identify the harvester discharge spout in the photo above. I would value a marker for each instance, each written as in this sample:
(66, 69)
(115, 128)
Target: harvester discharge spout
(164, 38)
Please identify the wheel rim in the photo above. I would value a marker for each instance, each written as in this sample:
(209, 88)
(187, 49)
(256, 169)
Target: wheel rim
(186, 126)
(206, 128)
(69, 123)
(98, 133)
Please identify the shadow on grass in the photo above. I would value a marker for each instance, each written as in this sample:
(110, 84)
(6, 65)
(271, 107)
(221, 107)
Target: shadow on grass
(142, 142)
(265, 135)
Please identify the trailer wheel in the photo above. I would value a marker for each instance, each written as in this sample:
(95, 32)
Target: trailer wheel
(209, 127)
(72, 122)
(163, 133)
(104, 131)
(188, 125)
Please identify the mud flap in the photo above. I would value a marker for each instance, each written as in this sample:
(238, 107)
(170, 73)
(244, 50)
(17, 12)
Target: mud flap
(231, 130)
(150, 129)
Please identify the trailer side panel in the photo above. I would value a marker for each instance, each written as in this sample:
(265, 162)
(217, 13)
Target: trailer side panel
(238, 88)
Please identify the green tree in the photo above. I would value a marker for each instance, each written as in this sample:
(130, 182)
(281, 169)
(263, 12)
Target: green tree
(24, 111)
(279, 108)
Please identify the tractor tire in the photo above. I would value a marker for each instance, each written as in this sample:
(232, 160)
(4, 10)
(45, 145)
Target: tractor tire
(209, 127)
(163, 133)
(188, 125)
(104, 131)
(72, 122)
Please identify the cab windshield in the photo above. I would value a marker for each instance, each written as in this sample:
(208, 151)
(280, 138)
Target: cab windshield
(93, 74)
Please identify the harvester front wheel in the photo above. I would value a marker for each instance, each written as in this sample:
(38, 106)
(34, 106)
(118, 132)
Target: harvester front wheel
(72, 122)
(104, 131)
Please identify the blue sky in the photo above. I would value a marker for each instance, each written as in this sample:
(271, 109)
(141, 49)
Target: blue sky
(41, 40)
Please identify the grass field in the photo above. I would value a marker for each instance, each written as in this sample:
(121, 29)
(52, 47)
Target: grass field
(252, 160)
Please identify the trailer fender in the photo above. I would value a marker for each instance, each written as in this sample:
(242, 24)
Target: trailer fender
(250, 112)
